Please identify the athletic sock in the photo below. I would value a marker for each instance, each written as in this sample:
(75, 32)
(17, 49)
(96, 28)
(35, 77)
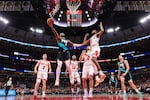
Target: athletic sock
(43, 94)
(101, 72)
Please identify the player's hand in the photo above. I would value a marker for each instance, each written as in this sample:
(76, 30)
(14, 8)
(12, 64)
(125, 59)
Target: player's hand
(86, 35)
(49, 72)
(35, 71)
(124, 74)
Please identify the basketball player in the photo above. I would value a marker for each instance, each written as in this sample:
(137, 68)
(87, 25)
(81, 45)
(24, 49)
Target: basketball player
(63, 54)
(74, 64)
(95, 49)
(87, 72)
(113, 83)
(8, 85)
(41, 69)
(125, 75)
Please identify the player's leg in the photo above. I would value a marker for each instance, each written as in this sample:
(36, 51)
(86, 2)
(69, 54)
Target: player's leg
(44, 80)
(96, 52)
(84, 87)
(78, 84)
(91, 74)
(84, 81)
(43, 88)
(72, 84)
(58, 70)
(123, 87)
(38, 81)
(133, 86)
(67, 62)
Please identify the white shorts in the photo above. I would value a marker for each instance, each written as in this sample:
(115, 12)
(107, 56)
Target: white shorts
(95, 51)
(87, 71)
(42, 76)
(75, 77)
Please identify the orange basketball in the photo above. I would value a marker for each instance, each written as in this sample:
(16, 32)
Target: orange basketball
(50, 22)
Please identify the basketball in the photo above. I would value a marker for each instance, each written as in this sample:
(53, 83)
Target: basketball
(50, 22)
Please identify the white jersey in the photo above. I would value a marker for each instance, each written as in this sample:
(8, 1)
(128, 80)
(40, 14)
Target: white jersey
(9, 83)
(94, 40)
(74, 66)
(88, 59)
(43, 67)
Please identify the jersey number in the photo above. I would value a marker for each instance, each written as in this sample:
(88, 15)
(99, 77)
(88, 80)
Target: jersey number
(43, 67)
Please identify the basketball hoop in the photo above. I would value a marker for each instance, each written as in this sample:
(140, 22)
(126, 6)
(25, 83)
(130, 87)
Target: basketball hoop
(73, 5)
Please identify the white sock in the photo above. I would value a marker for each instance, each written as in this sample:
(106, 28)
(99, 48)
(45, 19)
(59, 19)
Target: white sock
(35, 92)
(85, 91)
(124, 91)
(97, 77)
(72, 89)
(91, 91)
(101, 72)
(43, 94)
(137, 91)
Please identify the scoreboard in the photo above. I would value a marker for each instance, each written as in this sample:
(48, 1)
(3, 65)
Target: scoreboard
(74, 20)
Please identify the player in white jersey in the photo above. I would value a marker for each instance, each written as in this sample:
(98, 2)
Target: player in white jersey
(74, 65)
(41, 69)
(87, 72)
(95, 50)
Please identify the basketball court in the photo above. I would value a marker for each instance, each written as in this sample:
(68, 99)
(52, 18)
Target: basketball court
(68, 97)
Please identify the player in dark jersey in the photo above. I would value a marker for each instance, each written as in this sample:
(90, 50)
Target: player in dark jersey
(125, 75)
(113, 83)
(63, 54)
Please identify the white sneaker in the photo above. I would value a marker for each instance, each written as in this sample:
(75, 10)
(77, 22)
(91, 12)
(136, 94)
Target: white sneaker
(85, 96)
(90, 95)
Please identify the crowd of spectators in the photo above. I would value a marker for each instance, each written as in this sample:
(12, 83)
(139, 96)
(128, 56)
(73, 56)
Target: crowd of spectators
(23, 83)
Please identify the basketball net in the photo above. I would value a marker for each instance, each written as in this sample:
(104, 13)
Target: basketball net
(73, 5)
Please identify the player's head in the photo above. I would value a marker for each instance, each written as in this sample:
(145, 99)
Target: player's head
(112, 73)
(62, 35)
(121, 57)
(10, 78)
(94, 31)
(74, 57)
(44, 56)
(88, 48)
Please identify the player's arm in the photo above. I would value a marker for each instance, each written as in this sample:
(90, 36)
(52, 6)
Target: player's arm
(82, 55)
(54, 32)
(36, 66)
(49, 67)
(99, 34)
(85, 41)
(79, 66)
(127, 67)
(118, 72)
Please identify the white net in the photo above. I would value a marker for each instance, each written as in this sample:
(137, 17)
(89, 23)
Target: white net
(73, 5)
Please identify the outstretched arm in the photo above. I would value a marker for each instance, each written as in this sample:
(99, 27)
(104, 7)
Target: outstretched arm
(85, 41)
(54, 32)
(101, 30)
